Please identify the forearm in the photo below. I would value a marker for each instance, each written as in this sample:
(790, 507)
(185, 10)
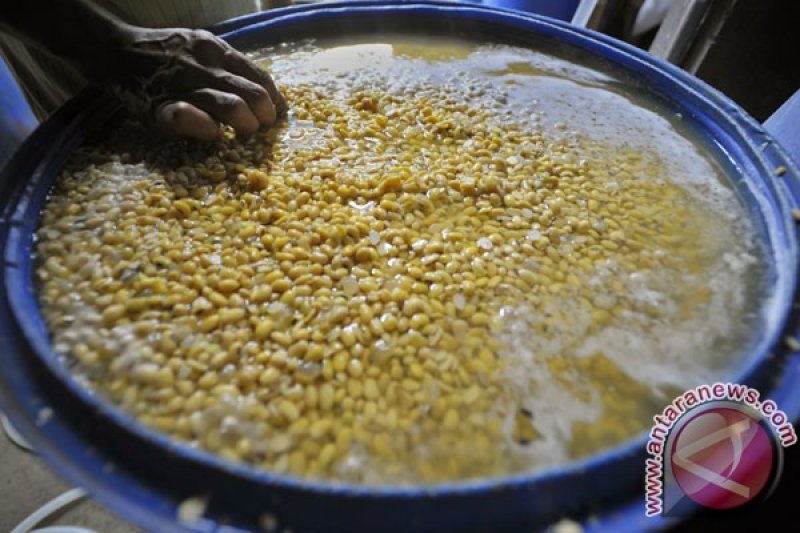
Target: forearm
(77, 31)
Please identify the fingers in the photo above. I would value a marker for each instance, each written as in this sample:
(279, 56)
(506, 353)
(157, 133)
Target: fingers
(256, 97)
(207, 47)
(234, 72)
(210, 82)
(182, 119)
(240, 65)
(227, 108)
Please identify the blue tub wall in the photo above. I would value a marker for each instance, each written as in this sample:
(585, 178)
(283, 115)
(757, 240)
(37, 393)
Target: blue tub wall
(17, 118)
(143, 475)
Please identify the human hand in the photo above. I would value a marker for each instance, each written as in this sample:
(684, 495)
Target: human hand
(187, 83)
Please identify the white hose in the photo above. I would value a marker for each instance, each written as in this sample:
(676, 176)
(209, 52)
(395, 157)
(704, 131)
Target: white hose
(53, 506)
(63, 529)
(13, 434)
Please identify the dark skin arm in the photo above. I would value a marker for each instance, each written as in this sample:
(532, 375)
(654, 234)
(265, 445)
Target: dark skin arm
(178, 81)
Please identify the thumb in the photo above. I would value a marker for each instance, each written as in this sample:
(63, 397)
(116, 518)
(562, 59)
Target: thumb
(182, 119)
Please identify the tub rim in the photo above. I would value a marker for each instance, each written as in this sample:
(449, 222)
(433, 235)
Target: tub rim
(768, 156)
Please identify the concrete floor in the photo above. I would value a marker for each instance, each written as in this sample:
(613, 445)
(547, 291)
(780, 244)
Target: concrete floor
(26, 483)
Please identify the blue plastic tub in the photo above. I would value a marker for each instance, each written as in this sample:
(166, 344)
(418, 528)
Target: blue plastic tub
(18, 120)
(144, 476)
